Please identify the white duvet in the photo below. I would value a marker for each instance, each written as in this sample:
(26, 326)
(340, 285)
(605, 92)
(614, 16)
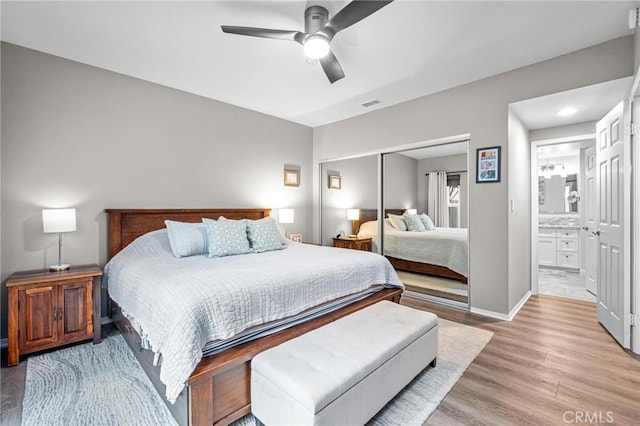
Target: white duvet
(179, 304)
(442, 246)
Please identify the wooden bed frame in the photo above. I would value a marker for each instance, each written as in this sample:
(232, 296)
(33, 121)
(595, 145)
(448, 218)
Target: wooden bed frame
(367, 215)
(218, 390)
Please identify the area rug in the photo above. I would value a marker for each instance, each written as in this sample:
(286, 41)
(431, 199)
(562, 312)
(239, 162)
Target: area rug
(105, 385)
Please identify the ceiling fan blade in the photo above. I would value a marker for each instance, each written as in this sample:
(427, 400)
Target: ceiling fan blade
(352, 13)
(296, 36)
(332, 67)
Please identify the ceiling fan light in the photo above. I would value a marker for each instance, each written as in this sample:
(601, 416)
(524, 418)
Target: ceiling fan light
(316, 46)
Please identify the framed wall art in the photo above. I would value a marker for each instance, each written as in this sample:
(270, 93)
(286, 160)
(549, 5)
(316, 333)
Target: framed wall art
(488, 165)
(291, 177)
(335, 182)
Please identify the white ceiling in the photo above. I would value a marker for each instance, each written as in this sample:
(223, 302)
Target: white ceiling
(405, 50)
(591, 104)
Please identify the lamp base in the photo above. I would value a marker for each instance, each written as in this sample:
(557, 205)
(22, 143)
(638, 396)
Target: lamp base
(60, 267)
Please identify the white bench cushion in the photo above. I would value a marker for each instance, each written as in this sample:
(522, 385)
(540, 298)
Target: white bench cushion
(329, 372)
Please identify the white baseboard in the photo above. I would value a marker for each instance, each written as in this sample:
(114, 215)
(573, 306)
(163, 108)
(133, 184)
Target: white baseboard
(3, 343)
(434, 299)
(500, 315)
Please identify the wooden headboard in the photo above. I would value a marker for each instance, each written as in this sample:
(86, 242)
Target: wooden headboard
(125, 225)
(367, 215)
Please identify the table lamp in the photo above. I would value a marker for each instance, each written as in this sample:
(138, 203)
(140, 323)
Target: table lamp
(285, 216)
(353, 215)
(59, 221)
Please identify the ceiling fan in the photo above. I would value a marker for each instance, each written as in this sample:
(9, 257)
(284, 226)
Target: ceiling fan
(319, 30)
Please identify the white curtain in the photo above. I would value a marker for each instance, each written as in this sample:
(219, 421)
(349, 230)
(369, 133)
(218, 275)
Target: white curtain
(438, 199)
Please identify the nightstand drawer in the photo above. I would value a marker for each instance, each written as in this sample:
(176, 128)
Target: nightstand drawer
(363, 244)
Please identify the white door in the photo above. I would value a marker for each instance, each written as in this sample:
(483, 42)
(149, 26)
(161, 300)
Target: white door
(591, 211)
(613, 181)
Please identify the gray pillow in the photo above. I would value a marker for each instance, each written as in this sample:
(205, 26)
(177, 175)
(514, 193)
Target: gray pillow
(264, 235)
(427, 222)
(186, 239)
(414, 224)
(226, 237)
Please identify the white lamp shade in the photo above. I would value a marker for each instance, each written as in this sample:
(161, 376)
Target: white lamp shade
(59, 220)
(412, 211)
(285, 216)
(353, 214)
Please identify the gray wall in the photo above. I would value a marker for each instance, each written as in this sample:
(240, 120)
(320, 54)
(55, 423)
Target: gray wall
(359, 191)
(79, 136)
(480, 109)
(400, 184)
(449, 163)
(571, 130)
(519, 214)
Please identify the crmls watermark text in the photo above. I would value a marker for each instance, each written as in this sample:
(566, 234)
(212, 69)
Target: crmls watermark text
(589, 417)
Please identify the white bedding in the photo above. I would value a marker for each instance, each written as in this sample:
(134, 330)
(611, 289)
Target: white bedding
(178, 305)
(447, 247)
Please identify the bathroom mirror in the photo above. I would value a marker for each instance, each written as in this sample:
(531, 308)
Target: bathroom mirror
(557, 194)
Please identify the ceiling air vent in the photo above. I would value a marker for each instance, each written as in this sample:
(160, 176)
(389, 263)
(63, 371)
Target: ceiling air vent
(371, 103)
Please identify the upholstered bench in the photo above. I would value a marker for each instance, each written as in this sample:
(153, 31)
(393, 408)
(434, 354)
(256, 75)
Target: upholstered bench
(346, 371)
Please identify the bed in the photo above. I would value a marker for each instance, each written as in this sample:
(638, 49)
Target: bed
(218, 387)
(443, 252)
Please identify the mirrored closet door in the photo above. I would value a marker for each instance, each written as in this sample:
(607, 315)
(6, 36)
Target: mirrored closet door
(425, 199)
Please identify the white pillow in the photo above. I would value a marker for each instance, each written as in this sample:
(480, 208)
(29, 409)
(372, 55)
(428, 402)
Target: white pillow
(226, 237)
(368, 229)
(264, 235)
(186, 239)
(427, 222)
(397, 222)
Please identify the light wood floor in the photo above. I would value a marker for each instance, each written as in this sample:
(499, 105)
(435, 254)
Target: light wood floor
(552, 365)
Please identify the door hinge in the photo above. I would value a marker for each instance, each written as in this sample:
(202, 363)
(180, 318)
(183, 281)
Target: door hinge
(632, 129)
(631, 319)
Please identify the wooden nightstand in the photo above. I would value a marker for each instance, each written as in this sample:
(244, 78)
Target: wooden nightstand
(50, 309)
(363, 244)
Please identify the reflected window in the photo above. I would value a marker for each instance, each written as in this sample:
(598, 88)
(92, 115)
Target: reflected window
(453, 185)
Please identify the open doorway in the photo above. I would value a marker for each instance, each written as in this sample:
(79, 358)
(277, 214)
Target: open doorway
(564, 200)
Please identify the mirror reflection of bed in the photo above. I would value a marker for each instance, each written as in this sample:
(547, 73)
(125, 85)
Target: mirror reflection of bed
(404, 184)
(432, 263)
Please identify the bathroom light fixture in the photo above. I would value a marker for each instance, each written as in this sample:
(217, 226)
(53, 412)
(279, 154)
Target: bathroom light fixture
(59, 221)
(566, 112)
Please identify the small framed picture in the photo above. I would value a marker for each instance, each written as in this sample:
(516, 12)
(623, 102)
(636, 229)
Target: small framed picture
(291, 177)
(335, 182)
(488, 165)
(296, 237)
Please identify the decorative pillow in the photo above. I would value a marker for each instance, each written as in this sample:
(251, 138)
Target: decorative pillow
(414, 224)
(226, 237)
(397, 222)
(186, 239)
(264, 235)
(427, 222)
